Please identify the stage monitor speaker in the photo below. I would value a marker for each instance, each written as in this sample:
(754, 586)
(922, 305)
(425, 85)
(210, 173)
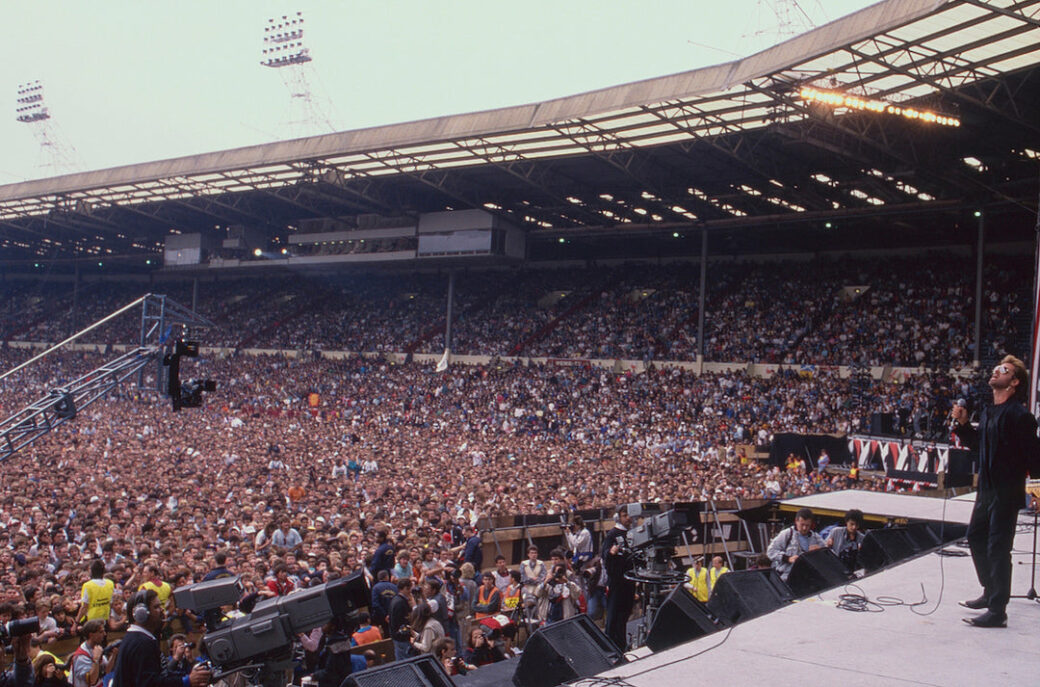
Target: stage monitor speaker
(421, 671)
(680, 619)
(745, 594)
(565, 651)
(884, 547)
(922, 536)
(815, 571)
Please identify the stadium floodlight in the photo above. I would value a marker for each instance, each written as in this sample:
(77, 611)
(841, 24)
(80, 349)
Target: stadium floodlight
(285, 51)
(283, 42)
(31, 109)
(854, 102)
(30, 106)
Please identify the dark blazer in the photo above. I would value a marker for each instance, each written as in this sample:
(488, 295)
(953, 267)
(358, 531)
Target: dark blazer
(138, 664)
(1006, 455)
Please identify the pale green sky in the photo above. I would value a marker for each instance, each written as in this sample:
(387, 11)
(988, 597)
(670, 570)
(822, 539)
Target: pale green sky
(134, 81)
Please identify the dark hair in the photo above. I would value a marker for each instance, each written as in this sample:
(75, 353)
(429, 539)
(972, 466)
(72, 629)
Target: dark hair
(434, 583)
(97, 568)
(804, 514)
(220, 557)
(856, 515)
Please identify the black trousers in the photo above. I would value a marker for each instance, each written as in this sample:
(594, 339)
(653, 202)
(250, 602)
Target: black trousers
(621, 597)
(991, 534)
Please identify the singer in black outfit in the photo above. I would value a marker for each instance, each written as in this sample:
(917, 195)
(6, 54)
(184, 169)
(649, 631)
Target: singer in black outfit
(1008, 449)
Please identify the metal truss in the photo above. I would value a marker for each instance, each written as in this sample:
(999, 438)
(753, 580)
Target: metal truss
(61, 405)
(159, 316)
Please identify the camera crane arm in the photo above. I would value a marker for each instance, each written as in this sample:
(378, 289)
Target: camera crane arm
(58, 406)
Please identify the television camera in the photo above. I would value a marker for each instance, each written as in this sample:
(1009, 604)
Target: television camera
(259, 644)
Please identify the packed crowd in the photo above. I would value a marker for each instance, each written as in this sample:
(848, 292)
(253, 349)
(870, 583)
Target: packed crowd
(908, 312)
(298, 471)
(387, 450)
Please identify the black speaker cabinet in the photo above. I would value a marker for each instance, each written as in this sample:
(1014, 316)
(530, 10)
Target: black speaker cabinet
(884, 547)
(922, 536)
(680, 619)
(815, 571)
(421, 671)
(745, 594)
(565, 651)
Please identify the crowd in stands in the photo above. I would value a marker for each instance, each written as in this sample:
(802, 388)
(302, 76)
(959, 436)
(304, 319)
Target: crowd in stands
(911, 311)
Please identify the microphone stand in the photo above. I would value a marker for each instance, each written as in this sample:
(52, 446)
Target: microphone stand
(1031, 594)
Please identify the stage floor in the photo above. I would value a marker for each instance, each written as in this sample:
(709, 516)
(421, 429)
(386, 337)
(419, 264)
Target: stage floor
(813, 642)
(884, 505)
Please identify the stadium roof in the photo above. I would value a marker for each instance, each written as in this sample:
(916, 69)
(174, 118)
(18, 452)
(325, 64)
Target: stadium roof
(937, 105)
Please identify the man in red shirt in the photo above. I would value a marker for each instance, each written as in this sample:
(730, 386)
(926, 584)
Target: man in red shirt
(280, 584)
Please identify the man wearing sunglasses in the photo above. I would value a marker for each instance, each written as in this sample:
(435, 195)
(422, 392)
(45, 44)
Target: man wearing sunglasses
(1008, 449)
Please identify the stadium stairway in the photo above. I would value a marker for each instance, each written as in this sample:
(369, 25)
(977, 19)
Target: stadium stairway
(546, 329)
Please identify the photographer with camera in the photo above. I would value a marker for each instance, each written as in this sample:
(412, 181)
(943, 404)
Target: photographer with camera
(579, 540)
(85, 662)
(845, 541)
(180, 661)
(444, 651)
(139, 663)
(557, 596)
(482, 649)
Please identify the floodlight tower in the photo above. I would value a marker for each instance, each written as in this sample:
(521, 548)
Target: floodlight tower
(55, 156)
(284, 50)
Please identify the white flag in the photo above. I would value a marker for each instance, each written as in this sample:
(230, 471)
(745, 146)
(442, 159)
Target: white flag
(442, 364)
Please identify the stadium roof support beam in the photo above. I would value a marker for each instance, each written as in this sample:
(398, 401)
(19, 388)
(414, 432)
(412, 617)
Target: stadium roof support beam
(720, 143)
(958, 94)
(539, 177)
(1006, 12)
(619, 154)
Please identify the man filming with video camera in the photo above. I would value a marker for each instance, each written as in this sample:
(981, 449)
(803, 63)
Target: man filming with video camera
(139, 662)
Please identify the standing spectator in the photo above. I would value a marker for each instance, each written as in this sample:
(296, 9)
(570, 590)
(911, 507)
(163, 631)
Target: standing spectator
(620, 591)
(473, 549)
(280, 584)
(400, 613)
(489, 598)
(383, 592)
(96, 594)
(286, 539)
(84, 666)
(698, 580)
(718, 569)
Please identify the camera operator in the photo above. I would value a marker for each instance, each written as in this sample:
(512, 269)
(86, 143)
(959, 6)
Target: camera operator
(557, 596)
(845, 541)
(139, 663)
(621, 592)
